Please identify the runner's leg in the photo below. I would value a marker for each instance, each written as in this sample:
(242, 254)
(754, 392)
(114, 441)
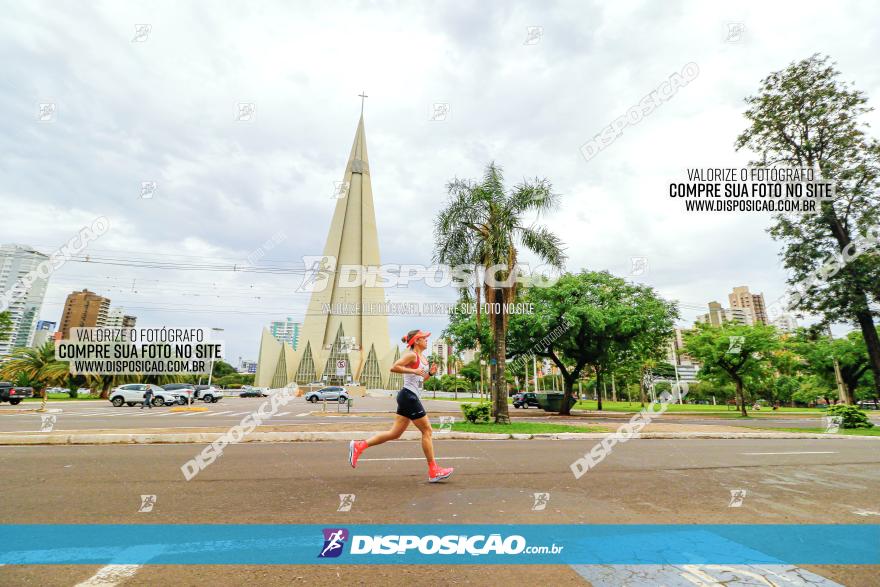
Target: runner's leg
(424, 426)
(400, 424)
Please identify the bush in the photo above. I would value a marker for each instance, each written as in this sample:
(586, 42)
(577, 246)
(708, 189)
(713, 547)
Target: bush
(852, 417)
(476, 413)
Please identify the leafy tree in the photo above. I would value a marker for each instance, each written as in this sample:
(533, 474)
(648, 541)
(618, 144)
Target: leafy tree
(819, 353)
(811, 389)
(804, 116)
(486, 224)
(222, 369)
(38, 365)
(733, 353)
(471, 372)
(586, 319)
(784, 388)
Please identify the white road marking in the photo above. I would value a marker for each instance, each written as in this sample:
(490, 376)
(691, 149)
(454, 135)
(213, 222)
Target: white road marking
(303, 414)
(417, 459)
(866, 513)
(220, 413)
(281, 414)
(806, 452)
(110, 575)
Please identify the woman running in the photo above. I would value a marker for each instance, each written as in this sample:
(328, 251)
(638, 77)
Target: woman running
(409, 407)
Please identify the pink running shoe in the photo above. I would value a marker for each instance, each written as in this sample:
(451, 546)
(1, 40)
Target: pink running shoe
(438, 473)
(355, 448)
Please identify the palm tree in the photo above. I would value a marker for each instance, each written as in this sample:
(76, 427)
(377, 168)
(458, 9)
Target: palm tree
(38, 365)
(482, 225)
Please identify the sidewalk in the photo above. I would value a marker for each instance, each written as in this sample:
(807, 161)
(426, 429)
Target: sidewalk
(345, 432)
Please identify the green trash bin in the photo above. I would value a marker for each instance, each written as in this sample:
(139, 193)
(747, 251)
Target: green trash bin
(552, 401)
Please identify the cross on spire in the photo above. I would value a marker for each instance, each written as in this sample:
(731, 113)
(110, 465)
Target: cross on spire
(363, 95)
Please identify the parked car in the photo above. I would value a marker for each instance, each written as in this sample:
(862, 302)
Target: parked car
(208, 393)
(328, 393)
(185, 392)
(14, 393)
(525, 399)
(250, 391)
(133, 393)
(869, 404)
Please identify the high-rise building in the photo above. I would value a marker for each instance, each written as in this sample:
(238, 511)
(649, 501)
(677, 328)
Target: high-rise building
(84, 309)
(786, 323)
(718, 315)
(345, 331)
(286, 331)
(43, 333)
(117, 318)
(22, 300)
(443, 349)
(742, 298)
(246, 366)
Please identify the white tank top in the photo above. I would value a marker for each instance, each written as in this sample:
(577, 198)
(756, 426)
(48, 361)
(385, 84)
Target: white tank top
(414, 382)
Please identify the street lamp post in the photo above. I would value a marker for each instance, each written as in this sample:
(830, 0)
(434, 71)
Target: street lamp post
(211, 371)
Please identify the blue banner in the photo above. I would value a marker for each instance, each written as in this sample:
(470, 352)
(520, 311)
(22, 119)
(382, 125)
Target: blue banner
(210, 544)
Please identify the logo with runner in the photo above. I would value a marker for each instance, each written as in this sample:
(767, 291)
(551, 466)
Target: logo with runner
(334, 542)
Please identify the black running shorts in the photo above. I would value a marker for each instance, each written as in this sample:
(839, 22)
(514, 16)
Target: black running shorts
(409, 405)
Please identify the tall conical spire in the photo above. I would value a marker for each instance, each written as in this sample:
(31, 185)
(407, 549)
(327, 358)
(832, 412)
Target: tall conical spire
(352, 241)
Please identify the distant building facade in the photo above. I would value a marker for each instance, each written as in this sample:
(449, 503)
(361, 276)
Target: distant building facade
(246, 366)
(43, 333)
(443, 349)
(84, 309)
(753, 304)
(117, 318)
(718, 315)
(24, 303)
(786, 323)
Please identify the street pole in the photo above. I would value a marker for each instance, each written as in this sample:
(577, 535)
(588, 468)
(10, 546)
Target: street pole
(838, 377)
(535, 371)
(675, 368)
(211, 371)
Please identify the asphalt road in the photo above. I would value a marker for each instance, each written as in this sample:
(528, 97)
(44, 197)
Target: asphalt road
(658, 481)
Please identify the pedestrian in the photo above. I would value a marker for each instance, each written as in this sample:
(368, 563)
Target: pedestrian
(148, 398)
(415, 370)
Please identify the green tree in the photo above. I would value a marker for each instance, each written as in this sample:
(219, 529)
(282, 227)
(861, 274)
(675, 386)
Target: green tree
(222, 369)
(587, 319)
(486, 224)
(806, 117)
(818, 353)
(38, 365)
(734, 353)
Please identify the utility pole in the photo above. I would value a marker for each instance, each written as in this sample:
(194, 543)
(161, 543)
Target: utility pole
(841, 386)
(675, 368)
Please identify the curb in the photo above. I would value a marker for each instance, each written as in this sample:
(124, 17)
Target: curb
(12, 439)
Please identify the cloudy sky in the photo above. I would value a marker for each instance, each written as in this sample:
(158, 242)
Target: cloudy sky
(160, 105)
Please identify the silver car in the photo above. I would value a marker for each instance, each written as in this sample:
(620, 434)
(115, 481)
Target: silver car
(332, 393)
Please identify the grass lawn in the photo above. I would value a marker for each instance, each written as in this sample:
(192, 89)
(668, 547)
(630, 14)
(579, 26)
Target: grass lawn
(875, 431)
(522, 428)
(719, 409)
(55, 397)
